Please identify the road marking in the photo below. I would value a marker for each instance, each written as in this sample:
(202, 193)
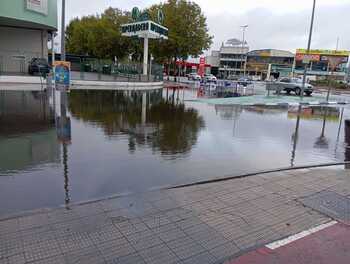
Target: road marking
(300, 235)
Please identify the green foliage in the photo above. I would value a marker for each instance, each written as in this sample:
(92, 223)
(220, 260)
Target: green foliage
(331, 83)
(188, 30)
(174, 130)
(100, 35)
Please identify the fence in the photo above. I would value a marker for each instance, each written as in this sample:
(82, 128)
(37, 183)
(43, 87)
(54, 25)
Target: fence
(104, 70)
(90, 69)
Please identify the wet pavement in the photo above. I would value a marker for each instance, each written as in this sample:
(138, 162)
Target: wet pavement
(210, 223)
(116, 142)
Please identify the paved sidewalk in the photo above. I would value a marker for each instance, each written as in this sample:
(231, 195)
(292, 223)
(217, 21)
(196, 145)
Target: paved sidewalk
(209, 223)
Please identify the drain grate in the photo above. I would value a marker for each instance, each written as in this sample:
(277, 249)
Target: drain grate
(331, 204)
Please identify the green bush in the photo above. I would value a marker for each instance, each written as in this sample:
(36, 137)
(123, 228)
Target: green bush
(332, 83)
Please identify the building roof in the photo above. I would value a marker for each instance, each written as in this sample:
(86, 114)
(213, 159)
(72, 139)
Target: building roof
(271, 53)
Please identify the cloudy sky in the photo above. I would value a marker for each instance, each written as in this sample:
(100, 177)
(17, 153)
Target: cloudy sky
(281, 24)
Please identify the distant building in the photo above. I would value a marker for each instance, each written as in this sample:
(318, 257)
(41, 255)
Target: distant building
(322, 63)
(269, 62)
(25, 28)
(230, 59)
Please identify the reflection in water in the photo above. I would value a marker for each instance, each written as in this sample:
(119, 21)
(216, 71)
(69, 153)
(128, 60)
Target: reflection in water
(27, 131)
(295, 136)
(322, 141)
(66, 175)
(146, 118)
(347, 142)
(108, 142)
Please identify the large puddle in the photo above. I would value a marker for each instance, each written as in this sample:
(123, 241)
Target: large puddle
(110, 143)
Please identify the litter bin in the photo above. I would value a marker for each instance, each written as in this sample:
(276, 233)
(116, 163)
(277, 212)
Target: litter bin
(87, 67)
(106, 69)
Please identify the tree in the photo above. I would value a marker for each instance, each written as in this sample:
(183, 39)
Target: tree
(188, 31)
(100, 35)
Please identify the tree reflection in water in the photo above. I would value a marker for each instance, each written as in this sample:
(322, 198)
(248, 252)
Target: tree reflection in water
(169, 128)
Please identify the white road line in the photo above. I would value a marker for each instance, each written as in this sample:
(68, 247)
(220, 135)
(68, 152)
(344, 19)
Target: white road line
(300, 235)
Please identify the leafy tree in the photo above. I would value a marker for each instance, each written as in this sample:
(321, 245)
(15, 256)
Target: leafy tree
(188, 30)
(99, 35)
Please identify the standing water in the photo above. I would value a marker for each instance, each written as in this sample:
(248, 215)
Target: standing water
(119, 142)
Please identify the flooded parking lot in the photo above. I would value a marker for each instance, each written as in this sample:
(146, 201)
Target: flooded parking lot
(111, 142)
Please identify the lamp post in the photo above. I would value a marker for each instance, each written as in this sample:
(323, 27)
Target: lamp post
(243, 40)
(63, 48)
(308, 47)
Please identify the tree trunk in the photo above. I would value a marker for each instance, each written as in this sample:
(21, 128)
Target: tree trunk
(175, 57)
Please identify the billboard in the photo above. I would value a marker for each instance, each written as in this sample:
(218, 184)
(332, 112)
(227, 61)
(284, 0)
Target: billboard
(62, 75)
(307, 57)
(324, 52)
(341, 59)
(39, 6)
(141, 29)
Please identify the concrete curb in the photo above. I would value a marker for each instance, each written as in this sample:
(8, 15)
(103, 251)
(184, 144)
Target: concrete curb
(84, 84)
(162, 188)
(284, 104)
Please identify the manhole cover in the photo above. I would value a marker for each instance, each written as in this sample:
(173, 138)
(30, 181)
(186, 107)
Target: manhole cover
(331, 204)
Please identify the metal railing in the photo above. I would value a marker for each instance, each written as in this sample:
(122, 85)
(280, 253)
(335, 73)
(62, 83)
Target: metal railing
(106, 70)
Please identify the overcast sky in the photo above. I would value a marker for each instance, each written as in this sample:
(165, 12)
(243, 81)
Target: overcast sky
(279, 24)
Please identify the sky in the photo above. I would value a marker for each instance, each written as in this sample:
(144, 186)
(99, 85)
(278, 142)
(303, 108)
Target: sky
(278, 24)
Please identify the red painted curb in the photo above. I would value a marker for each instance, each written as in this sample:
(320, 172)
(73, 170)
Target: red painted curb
(330, 245)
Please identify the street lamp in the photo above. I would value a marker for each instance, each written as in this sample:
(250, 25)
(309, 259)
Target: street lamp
(244, 27)
(308, 47)
(63, 48)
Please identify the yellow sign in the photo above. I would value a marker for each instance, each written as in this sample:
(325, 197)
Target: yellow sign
(264, 53)
(324, 52)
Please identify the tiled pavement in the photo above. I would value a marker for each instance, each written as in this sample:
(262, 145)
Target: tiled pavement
(198, 224)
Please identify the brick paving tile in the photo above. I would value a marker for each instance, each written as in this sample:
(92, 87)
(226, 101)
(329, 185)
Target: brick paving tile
(90, 255)
(197, 224)
(224, 251)
(159, 254)
(129, 259)
(185, 247)
(41, 250)
(58, 259)
(143, 240)
(115, 249)
(201, 258)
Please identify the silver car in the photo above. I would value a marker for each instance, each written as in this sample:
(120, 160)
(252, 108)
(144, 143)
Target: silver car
(295, 85)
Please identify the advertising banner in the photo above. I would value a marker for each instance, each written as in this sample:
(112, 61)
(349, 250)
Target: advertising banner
(306, 58)
(324, 52)
(201, 68)
(62, 75)
(340, 59)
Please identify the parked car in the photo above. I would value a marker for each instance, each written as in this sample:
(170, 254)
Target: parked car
(245, 81)
(233, 77)
(209, 78)
(194, 77)
(295, 85)
(38, 65)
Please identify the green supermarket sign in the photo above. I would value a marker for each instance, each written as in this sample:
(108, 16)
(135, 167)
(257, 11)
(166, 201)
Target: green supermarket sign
(143, 28)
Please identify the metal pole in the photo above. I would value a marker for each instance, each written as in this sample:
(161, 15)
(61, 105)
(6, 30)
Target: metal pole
(63, 18)
(53, 58)
(308, 48)
(295, 137)
(145, 55)
(243, 28)
(337, 44)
